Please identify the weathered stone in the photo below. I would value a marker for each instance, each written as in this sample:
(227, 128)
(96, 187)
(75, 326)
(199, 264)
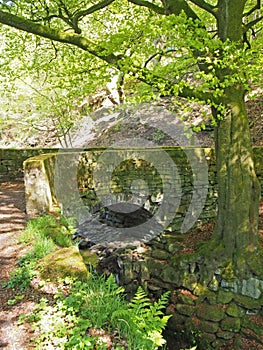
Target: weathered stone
(160, 254)
(214, 284)
(207, 327)
(89, 258)
(234, 311)
(205, 341)
(248, 323)
(169, 274)
(38, 184)
(225, 335)
(62, 263)
(251, 288)
(189, 280)
(145, 275)
(211, 297)
(224, 297)
(187, 299)
(183, 309)
(232, 286)
(210, 312)
(231, 324)
(248, 302)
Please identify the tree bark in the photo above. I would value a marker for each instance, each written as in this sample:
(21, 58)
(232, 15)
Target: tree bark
(238, 187)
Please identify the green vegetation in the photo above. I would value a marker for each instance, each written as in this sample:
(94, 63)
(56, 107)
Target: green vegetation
(44, 234)
(87, 314)
(97, 306)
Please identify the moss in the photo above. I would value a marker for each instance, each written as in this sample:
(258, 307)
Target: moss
(231, 324)
(248, 302)
(210, 312)
(224, 297)
(62, 263)
(234, 311)
(183, 309)
(89, 258)
(248, 323)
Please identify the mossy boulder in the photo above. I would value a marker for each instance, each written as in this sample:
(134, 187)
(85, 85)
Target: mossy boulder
(62, 263)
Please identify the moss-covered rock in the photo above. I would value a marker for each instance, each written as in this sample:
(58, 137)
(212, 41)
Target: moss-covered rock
(247, 302)
(234, 311)
(231, 324)
(224, 297)
(210, 312)
(183, 309)
(89, 258)
(204, 326)
(62, 263)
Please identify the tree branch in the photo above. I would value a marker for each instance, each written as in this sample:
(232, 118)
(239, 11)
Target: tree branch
(149, 5)
(56, 35)
(205, 6)
(251, 24)
(80, 14)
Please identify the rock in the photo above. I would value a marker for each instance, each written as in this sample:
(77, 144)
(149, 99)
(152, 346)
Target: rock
(62, 263)
(234, 311)
(224, 297)
(89, 258)
(251, 288)
(231, 324)
(183, 309)
(210, 312)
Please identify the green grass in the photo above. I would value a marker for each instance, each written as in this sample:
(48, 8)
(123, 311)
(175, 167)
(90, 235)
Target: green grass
(45, 234)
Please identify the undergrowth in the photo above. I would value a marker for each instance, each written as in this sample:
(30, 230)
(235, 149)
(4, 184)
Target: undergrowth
(44, 234)
(92, 314)
(99, 304)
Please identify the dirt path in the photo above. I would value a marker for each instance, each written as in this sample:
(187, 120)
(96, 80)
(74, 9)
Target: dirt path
(12, 220)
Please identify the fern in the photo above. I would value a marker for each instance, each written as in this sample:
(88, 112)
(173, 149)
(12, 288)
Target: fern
(143, 321)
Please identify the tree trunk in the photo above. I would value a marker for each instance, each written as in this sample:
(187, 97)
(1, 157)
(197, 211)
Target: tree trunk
(239, 191)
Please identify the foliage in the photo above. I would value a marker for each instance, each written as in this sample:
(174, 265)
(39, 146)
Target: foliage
(45, 234)
(47, 228)
(94, 305)
(97, 304)
(143, 321)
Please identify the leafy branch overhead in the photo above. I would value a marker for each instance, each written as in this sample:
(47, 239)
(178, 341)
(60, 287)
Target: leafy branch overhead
(174, 47)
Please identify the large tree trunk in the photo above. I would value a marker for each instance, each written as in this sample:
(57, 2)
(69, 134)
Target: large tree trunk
(239, 191)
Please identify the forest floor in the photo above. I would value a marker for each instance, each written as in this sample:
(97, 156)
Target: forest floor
(15, 335)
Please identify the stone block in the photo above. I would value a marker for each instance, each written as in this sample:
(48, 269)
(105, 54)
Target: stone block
(183, 309)
(234, 310)
(224, 297)
(210, 312)
(231, 324)
(205, 326)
